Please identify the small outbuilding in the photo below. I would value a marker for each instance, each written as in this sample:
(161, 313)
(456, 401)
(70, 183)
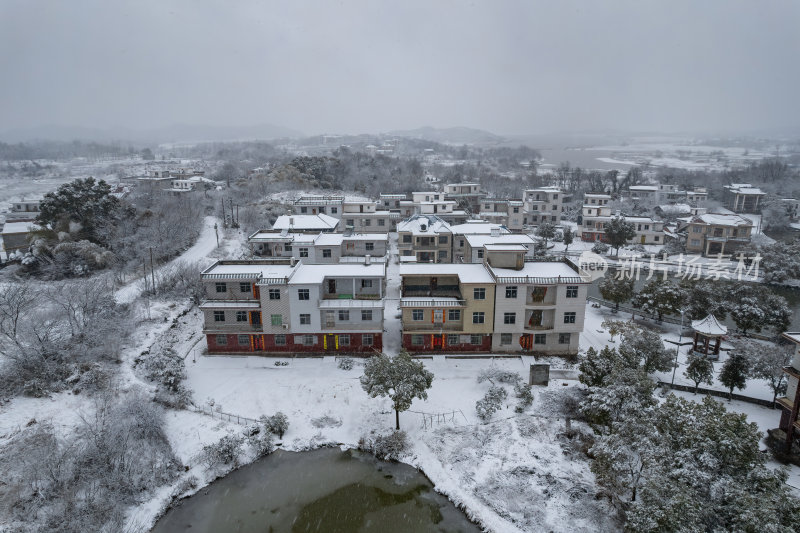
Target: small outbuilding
(708, 334)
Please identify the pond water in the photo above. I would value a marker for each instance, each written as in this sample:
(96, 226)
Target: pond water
(325, 491)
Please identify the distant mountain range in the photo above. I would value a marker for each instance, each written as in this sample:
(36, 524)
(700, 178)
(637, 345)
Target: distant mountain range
(457, 135)
(176, 133)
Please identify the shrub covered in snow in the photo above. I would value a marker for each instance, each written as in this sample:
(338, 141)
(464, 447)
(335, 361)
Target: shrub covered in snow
(387, 447)
(225, 451)
(523, 393)
(491, 402)
(600, 248)
(346, 363)
(277, 423)
(497, 375)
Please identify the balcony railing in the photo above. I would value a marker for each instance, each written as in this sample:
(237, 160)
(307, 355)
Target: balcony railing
(431, 302)
(232, 327)
(456, 325)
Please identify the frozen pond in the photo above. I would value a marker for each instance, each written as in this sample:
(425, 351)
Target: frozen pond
(325, 491)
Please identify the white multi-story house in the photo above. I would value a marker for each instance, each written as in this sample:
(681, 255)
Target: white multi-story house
(319, 205)
(539, 306)
(364, 216)
(509, 213)
(472, 227)
(596, 212)
(544, 204)
(424, 239)
(322, 248)
(743, 198)
(269, 306)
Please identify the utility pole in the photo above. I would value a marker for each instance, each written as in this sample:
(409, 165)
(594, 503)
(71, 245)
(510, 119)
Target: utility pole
(223, 213)
(152, 270)
(216, 233)
(144, 270)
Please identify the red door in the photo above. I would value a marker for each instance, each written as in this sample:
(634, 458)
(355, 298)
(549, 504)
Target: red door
(437, 342)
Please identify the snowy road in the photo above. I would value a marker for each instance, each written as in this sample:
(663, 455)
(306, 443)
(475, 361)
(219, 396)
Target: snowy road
(205, 244)
(392, 337)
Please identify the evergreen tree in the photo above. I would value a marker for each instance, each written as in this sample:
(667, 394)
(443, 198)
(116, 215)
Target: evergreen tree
(646, 348)
(699, 369)
(569, 236)
(617, 290)
(400, 378)
(735, 371)
(546, 231)
(748, 315)
(767, 363)
(659, 297)
(595, 366)
(618, 232)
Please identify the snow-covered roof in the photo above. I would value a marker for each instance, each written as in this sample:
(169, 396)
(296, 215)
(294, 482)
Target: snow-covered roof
(350, 303)
(228, 304)
(676, 208)
(314, 274)
(505, 247)
(709, 326)
(476, 241)
(643, 188)
(10, 228)
(477, 227)
(722, 219)
(792, 336)
(467, 273)
(267, 236)
(329, 239)
(305, 222)
(249, 269)
(538, 272)
(744, 188)
(433, 224)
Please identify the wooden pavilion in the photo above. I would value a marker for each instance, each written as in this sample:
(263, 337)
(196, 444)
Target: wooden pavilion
(708, 334)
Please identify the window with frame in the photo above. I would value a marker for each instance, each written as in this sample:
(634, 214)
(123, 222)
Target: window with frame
(244, 286)
(478, 317)
(655, 238)
(366, 315)
(366, 283)
(511, 292)
(417, 314)
(476, 340)
(480, 253)
(351, 222)
(452, 340)
(241, 316)
(303, 294)
(219, 316)
(221, 340)
(461, 243)
(509, 318)
(505, 338)
(308, 340)
(453, 314)
(569, 317)
(303, 252)
(305, 319)
(367, 222)
(287, 247)
(221, 287)
(303, 210)
(540, 338)
(276, 320)
(280, 340)
(407, 239)
(367, 339)
(442, 254)
(344, 340)
(274, 294)
(443, 239)
(244, 340)
(344, 315)
(479, 293)
(381, 222)
(326, 253)
(572, 291)
(417, 340)
(334, 210)
(564, 338)
(369, 246)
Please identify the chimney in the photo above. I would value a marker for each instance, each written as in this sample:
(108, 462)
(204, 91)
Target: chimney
(367, 259)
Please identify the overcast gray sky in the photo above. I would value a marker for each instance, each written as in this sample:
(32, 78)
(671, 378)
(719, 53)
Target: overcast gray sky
(369, 66)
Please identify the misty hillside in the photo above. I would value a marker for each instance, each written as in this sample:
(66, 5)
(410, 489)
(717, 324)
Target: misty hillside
(457, 135)
(172, 133)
